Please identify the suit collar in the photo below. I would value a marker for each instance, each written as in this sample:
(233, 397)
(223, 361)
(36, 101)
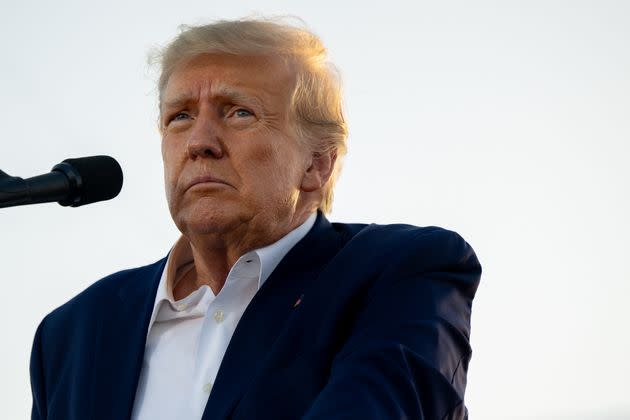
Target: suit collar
(120, 342)
(266, 315)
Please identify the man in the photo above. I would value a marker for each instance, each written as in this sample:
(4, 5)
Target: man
(262, 309)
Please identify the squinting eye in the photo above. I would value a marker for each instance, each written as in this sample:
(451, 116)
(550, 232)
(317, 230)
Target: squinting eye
(242, 113)
(179, 116)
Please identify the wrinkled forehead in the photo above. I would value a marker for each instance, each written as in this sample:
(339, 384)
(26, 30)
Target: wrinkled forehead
(268, 78)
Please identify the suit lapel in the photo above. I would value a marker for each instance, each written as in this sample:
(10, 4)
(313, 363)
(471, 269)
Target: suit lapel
(120, 343)
(266, 315)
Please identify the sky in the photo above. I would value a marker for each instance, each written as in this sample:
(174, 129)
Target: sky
(506, 121)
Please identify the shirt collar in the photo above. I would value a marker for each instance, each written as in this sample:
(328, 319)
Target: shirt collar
(271, 255)
(258, 263)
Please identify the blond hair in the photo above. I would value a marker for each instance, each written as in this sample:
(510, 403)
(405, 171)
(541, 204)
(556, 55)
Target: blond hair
(317, 102)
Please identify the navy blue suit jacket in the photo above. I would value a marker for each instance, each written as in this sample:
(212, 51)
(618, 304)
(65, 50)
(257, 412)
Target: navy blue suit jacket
(380, 331)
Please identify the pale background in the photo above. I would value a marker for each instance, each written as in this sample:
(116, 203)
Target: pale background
(506, 121)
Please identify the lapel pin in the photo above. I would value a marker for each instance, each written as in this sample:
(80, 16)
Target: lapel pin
(297, 302)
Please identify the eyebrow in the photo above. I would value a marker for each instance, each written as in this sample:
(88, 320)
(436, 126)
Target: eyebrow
(221, 91)
(225, 91)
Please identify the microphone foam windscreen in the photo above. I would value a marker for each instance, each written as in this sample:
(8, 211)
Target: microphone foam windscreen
(101, 177)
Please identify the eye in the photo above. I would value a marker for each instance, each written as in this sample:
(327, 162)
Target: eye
(180, 116)
(242, 113)
(176, 117)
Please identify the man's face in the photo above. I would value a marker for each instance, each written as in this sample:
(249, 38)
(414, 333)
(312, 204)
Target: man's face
(231, 160)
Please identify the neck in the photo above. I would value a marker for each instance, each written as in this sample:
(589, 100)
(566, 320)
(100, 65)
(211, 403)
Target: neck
(215, 254)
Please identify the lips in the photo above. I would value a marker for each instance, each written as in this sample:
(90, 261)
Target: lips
(206, 179)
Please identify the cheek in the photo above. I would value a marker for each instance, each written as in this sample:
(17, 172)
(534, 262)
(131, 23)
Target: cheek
(169, 162)
(274, 173)
(275, 162)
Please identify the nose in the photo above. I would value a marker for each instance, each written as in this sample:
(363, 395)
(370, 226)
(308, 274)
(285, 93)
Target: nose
(204, 141)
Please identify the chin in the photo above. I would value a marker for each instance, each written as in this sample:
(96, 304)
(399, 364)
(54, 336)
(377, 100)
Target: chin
(205, 219)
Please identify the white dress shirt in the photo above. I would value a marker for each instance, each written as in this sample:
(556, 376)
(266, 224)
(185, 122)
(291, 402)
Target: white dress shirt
(187, 338)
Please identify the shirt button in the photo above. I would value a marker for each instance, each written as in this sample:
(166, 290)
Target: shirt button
(207, 387)
(180, 306)
(218, 316)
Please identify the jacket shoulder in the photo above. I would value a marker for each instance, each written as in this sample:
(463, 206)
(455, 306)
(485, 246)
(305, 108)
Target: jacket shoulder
(432, 247)
(104, 292)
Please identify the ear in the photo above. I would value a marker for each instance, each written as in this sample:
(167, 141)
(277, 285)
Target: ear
(319, 171)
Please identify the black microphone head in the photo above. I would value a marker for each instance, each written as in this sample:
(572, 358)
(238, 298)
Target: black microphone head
(92, 179)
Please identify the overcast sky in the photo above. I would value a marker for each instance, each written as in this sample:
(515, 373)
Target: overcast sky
(505, 121)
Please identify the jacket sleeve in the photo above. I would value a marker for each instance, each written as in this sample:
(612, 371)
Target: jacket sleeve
(408, 351)
(38, 411)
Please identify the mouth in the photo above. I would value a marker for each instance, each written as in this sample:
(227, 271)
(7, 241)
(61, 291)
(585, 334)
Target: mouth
(206, 180)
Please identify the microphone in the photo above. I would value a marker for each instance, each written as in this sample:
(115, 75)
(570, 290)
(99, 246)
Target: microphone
(73, 182)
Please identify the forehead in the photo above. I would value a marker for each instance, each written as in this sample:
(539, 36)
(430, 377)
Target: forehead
(268, 78)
